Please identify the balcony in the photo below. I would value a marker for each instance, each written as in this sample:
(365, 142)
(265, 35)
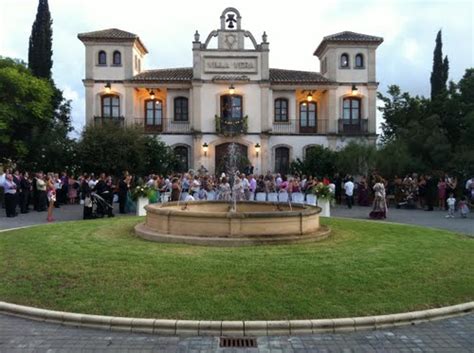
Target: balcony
(164, 126)
(231, 127)
(104, 120)
(353, 127)
(293, 127)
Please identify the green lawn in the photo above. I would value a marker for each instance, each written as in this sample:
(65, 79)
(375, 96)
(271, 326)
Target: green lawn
(101, 267)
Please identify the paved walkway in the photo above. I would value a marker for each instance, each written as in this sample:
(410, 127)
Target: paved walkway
(434, 219)
(454, 335)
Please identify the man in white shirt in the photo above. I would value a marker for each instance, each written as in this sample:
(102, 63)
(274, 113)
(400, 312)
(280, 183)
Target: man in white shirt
(349, 189)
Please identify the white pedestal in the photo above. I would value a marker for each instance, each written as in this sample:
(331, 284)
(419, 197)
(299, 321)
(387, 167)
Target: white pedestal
(141, 203)
(325, 207)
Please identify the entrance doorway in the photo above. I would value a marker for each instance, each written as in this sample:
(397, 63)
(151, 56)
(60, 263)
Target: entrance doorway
(222, 157)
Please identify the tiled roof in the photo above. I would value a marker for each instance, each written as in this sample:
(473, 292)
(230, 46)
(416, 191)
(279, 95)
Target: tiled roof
(111, 34)
(346, 36)
(294, 76)
(278, 76)
(170, 75)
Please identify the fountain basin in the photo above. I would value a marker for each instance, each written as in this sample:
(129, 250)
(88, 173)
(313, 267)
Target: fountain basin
(213, 223)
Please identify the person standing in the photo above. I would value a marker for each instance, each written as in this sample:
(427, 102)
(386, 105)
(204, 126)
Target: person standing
(25, 186)
(10, 195)
(451, 202)
(51, 195)
(431, 191)
(349, 191)
(122, 193)
(379, 209)
(42, 197)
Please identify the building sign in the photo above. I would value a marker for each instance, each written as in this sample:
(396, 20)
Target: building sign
(247, 65)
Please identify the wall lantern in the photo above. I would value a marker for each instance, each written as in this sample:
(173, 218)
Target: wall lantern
(354, 90)
(205, 148)
(309, 97)
(257, 148)
(108, 87)
(152, 95)
(231, 89)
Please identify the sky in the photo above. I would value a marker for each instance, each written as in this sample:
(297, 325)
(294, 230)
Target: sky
(294, 31)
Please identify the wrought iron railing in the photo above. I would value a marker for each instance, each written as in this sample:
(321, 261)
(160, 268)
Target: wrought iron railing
(231, 127)
(353, 127)
(103, 120)
(295, 127)
(163, 125)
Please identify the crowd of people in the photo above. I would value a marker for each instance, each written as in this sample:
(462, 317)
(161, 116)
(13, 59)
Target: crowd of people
(20, 191)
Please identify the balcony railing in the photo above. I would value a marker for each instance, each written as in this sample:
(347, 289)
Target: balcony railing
(231, 127)
(103, 120)
(353, 127)
(294, 127)
(164, 125)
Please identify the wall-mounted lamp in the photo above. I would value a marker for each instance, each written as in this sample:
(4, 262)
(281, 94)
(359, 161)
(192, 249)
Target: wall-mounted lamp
(231, 89)
(108, 87)
(354, 90)
(257, 148)
(152, 95)
(205, 148)
(309, 97)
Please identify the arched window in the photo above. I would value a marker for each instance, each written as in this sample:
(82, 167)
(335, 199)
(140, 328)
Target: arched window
(117, 59)
(154, 113)
(345, 60)
(181, 153)
(281, 110)
(308, 116)
(102, 58)
(231, 107)
(181, 109)
(351, 110)
(282, 160)
(309, 150)
(359, 61)
(110, 106)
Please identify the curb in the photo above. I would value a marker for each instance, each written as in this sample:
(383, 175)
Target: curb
(234, 328)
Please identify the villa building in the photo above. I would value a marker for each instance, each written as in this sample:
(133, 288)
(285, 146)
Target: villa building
(231, 94)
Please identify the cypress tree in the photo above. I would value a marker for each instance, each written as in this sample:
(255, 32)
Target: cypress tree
(439, 75)
(40, 51)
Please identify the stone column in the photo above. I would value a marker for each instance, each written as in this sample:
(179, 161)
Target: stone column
(264, 102)
(372, 108)
(332, 111)
(265, 154)
(196, 106)
(90, 103)
(129, 106)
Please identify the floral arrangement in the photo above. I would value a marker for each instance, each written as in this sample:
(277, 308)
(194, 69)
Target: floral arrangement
(322, 191)
(141, 191)
(231, 127)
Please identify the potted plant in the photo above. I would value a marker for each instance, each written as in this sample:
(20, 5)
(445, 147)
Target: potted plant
(324, 195)
(141, 194)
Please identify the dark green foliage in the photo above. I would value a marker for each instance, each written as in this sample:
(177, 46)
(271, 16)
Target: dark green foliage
(439, 75)
(40, 51)
(111, 148)
(319, 161)
(25, 110)
(356, 159)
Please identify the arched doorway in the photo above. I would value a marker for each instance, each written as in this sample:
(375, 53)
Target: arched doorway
(223, 157)
(181, 153)
(282, 160)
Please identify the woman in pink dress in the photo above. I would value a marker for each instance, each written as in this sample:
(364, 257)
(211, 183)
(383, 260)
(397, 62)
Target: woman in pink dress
(51, 194)
(72, 190)
(441, 193)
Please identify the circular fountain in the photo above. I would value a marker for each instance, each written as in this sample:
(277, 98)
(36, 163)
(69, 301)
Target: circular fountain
(218, 223)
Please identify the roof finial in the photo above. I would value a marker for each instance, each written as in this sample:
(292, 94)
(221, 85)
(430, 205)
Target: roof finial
(196, 36)
(264, 37)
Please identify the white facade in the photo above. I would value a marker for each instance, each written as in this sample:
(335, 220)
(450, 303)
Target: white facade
(285, 112)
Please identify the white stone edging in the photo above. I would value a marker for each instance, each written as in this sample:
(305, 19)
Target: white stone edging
(234, 328)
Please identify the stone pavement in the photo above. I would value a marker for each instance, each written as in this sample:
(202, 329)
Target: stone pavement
(434, 219)
(455, 335)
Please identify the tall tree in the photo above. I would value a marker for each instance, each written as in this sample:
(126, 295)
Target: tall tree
(439, 75)
(40, 51)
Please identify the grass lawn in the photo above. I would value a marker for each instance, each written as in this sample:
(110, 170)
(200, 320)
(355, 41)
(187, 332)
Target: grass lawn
(364, 268)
